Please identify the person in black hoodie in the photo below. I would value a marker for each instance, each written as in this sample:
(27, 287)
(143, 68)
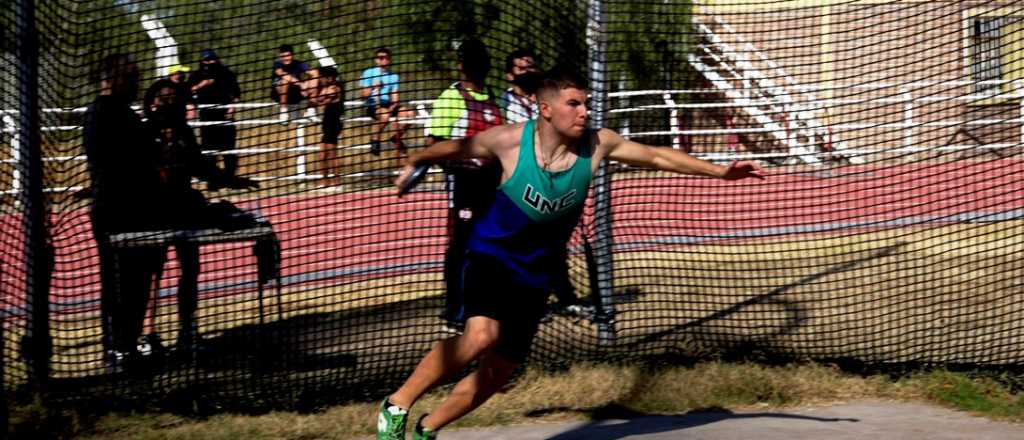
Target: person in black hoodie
(179, 159)
(215, 84)
(121, 159)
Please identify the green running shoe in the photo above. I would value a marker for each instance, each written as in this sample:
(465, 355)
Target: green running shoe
(421, 433)
(391, 422)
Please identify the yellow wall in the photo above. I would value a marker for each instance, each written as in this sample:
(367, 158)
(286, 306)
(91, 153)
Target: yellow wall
(1012, 37)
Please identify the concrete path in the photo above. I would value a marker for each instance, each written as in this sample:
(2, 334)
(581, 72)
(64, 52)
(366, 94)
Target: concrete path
(871, 420)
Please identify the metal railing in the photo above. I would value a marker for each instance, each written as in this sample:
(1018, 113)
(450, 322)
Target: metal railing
(672, 101)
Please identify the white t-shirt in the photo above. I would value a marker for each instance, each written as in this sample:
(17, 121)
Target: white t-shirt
(518, 108)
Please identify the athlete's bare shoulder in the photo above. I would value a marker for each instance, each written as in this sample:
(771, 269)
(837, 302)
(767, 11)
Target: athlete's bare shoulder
(502, 137)
(602, 141)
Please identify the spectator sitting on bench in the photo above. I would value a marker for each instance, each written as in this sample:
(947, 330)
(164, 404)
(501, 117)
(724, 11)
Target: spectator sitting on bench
(286, 82)
(379, 86)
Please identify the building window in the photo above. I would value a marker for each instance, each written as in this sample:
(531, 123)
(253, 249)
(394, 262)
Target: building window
(986, 54)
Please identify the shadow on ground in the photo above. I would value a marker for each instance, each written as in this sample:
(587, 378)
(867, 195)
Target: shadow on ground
(616, 422)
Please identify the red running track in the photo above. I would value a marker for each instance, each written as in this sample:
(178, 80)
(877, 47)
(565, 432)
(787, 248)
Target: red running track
(336, 235)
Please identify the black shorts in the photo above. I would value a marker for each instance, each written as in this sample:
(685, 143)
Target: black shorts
(330, 129)
(218, 137)
(371, 111)
(294, 94)
(490, 290)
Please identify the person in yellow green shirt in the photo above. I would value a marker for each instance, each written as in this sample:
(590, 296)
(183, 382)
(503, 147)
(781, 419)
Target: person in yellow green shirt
(469, 106)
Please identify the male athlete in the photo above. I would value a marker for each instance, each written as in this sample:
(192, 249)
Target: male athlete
(547, 167)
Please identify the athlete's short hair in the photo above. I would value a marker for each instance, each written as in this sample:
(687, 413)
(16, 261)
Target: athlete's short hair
(473, 49)
(561, 77)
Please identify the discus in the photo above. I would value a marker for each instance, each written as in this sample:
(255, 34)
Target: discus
(417, 175)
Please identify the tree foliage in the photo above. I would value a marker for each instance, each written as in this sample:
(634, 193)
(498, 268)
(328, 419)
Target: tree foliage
(646, 39)
(648, 42)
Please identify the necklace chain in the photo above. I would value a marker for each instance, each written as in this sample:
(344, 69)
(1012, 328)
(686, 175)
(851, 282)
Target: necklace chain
(546, 161)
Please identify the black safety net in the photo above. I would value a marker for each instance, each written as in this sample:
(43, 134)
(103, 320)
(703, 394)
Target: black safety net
(228, 235)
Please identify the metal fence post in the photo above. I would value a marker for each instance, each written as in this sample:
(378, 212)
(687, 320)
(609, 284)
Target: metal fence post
(300, 148)
(1019, 89)
(602, 283)
(11, 126)
(37, 347)
(908, 117)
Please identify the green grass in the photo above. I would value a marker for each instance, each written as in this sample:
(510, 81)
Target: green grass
(984, 396)
(583, 392)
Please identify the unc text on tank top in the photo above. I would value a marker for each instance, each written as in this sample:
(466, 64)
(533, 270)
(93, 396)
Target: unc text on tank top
(534, 213)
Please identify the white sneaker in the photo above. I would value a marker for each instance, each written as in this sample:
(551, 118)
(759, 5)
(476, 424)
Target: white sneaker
(453, 327)
(113, 361)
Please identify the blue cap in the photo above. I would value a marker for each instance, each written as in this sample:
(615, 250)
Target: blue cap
(207, 54)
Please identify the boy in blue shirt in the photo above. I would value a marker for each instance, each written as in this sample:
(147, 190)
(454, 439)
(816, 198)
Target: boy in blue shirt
(379, 87)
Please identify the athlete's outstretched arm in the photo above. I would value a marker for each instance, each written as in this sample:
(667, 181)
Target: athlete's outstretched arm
(670, 159)
(476, 146)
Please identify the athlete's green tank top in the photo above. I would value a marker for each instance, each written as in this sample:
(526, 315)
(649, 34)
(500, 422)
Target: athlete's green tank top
(544, 195)
(534, 212)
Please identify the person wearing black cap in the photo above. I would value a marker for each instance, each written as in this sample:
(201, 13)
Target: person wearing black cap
(215, 86)
(467, 107)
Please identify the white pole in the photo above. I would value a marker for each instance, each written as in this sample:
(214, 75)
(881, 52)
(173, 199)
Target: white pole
(322, 56)
(10, 127)
(673, 119)
(166, 47)
(300, 160)
(1019, 86)
(908, 117)
(625, 104)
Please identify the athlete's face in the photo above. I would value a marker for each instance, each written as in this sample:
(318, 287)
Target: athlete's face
(567, 111)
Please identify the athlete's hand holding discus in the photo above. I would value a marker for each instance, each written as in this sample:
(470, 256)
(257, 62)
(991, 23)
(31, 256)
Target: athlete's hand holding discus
(411, 176)
(418, 163)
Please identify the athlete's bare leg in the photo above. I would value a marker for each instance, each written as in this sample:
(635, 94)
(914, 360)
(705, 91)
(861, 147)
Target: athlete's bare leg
(472, 391)
(447, 358)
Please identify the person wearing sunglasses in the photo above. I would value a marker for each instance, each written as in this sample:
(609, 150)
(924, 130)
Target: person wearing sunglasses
(379, 87)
